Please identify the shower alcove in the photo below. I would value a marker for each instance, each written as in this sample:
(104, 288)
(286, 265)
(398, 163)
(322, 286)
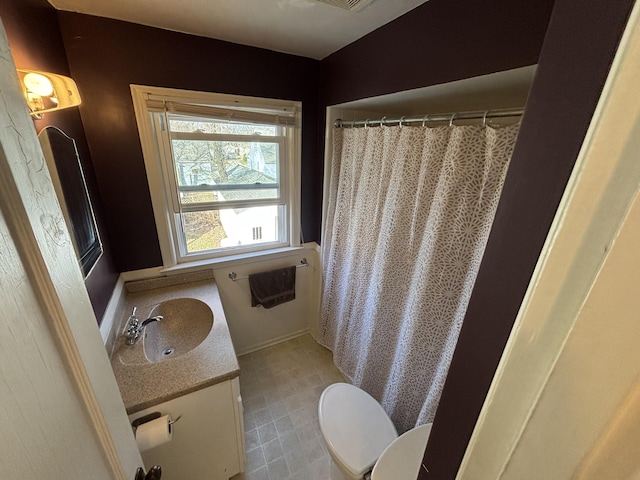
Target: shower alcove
(502, 90)
(494, 91)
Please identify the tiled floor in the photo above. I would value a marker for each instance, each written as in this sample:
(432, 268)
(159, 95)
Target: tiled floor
(280, 387)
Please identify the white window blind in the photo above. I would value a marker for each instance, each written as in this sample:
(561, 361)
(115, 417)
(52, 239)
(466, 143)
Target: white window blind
(262, 116)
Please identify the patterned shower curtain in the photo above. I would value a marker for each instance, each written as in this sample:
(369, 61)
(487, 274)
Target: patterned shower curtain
(408, 217)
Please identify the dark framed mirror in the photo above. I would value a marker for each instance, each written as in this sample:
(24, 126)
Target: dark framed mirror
(69, 182)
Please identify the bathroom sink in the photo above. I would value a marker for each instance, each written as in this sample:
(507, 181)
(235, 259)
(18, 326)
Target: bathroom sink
(186, 323)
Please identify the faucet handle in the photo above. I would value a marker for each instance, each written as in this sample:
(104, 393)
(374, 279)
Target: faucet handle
(133, 320)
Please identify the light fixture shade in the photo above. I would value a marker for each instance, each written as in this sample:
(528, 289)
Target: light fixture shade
(46, 92)
(38, 83)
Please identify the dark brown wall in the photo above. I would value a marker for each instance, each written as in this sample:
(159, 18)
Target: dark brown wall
(437, 42)
(36, 44)
(106, 56)
(574, 62)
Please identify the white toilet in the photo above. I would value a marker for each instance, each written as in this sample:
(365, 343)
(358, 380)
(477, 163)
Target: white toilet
(357, 431)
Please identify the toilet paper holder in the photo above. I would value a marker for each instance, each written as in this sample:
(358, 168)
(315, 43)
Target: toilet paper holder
(151, 416)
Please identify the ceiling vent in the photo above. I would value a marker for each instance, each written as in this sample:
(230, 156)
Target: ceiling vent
(353, 5)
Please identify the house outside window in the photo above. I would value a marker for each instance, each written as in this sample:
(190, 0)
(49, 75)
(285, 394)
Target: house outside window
(223, 171)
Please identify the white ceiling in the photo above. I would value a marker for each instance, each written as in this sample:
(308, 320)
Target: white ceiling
(300, 27)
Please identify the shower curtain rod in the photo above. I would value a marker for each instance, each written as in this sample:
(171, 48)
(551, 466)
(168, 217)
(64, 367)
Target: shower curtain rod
(439, 117)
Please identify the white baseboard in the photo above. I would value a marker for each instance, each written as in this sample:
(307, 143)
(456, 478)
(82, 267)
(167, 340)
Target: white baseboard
(272, 341)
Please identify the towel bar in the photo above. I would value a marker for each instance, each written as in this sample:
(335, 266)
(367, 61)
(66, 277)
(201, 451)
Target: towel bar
(233, 276)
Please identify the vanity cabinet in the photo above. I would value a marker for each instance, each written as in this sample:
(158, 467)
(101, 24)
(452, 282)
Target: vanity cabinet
(208, 439)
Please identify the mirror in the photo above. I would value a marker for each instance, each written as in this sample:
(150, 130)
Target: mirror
(71, 189)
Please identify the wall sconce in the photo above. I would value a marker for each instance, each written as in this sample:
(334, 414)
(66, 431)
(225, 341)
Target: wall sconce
(46, 92)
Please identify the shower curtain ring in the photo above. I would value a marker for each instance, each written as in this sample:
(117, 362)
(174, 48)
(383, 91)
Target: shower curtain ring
(366, 123)
(382, 121)
(401, 120)
(353, 122)
(424, 120)
(484, 119)
(451, 121)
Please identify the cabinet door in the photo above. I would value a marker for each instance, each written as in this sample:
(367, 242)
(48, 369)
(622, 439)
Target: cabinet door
(205, 439)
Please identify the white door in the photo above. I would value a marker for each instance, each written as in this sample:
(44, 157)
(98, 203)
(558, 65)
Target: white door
(61, 415)
(565, 401)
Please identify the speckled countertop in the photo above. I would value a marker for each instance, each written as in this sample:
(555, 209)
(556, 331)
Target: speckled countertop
(144, 384)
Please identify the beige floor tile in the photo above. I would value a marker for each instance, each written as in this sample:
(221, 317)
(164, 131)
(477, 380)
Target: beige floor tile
(278, 469)
(281, 386)
(272, 450)
(255, 459)
(267, 432)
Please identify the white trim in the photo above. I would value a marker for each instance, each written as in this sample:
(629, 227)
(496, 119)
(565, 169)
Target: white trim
(28, 241)
(292, 177)
(172, 250)
(238, 412)
(52, 275)
(238, 259)
(155, 177)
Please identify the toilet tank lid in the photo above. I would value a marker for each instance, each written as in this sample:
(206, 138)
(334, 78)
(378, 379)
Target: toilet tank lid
(355, 426)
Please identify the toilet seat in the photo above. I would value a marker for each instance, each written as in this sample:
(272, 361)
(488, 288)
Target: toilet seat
(355, 427)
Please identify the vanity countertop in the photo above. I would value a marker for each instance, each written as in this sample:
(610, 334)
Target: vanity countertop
(144, 384)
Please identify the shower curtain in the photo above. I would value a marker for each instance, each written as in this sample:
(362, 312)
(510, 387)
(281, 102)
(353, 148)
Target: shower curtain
(408, 217)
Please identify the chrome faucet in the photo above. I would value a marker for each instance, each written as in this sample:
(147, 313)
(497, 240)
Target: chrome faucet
(135, 326)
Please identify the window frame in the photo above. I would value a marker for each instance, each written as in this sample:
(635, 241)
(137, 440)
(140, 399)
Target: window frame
(157, 156)
(280, 140)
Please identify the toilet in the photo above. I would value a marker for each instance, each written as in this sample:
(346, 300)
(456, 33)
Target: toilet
(357, 431)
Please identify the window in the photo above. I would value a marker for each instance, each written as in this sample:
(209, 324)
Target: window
(222, 171)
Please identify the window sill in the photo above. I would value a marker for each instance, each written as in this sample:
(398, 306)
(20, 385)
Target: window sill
(233, 260)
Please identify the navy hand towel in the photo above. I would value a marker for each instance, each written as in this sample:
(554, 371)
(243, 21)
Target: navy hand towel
(273, 288)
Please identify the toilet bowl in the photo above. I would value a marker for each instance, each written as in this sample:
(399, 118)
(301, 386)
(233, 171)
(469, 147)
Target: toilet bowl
(358, 432)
